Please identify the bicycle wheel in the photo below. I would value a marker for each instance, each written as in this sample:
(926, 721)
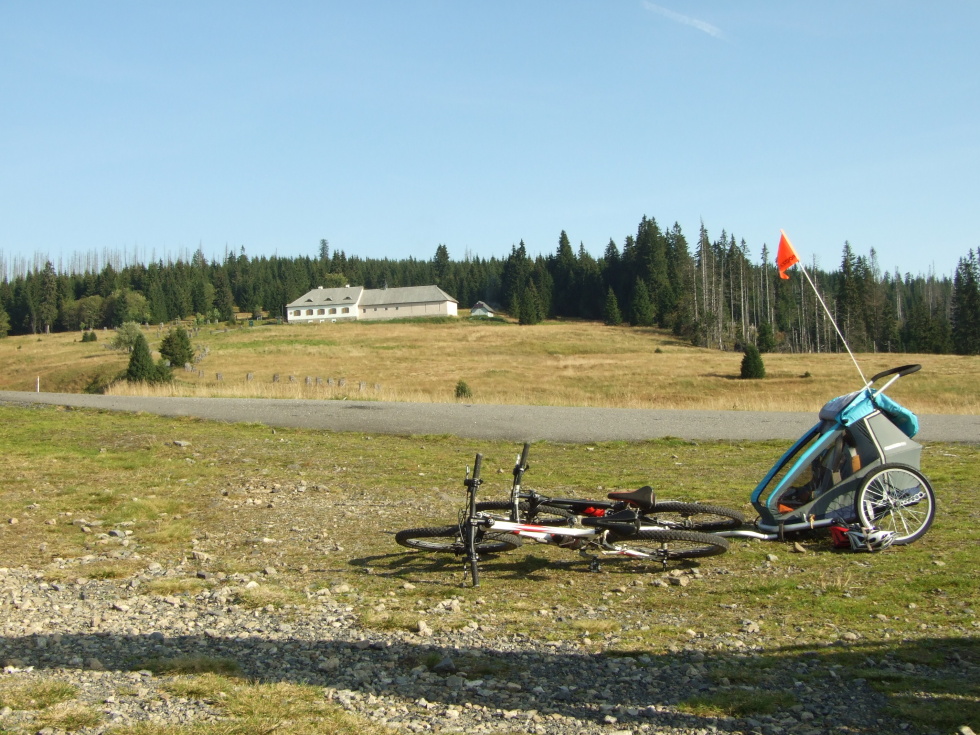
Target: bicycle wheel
(448, 538)
(545, 515)
(693, 516)
(671, 544)
(897, 498)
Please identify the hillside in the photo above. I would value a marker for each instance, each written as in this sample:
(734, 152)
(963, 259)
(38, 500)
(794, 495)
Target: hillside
(553, 363)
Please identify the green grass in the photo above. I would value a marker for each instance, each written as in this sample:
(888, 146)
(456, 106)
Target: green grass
(320, 508)
(35, 695)
(738, 703)
(192, 665)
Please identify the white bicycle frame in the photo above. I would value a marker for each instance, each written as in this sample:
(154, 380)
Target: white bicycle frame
(546, 534)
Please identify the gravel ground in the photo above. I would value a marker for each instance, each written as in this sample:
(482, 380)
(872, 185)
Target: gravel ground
(101, 635)
(92, 633)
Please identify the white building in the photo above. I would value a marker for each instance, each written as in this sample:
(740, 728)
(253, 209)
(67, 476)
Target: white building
(480, 308)
(354, 302)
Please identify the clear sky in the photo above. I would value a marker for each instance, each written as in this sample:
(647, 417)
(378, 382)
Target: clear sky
(392, 126)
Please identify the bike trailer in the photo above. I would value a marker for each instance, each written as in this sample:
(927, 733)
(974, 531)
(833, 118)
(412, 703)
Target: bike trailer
(858, 464)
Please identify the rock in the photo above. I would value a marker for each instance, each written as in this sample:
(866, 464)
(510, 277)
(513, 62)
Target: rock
(445, 666)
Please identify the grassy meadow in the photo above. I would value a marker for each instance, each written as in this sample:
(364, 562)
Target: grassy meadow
(553, 363)
(331, 502)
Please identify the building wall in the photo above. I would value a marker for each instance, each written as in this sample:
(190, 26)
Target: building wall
(405, 311)
(319, 314)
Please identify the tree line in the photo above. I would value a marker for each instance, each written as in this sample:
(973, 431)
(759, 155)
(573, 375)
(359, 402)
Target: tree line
(711, 292)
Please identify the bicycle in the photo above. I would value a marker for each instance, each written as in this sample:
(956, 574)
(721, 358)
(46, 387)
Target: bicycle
(622, 533)
(535, 507)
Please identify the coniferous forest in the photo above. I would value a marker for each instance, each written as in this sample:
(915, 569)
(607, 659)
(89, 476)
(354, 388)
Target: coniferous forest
(712, 292)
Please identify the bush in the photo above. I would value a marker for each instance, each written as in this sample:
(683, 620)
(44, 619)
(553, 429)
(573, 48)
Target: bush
(463, 390)
(752, 366)
(89, 337)
(127, 336)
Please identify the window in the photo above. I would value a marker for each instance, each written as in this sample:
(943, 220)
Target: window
(345, 310)
(320, 311)
(333, 310)
(309, 312)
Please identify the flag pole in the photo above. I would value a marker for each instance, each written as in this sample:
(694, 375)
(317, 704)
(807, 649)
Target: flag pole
(836, 328)
(786, 258)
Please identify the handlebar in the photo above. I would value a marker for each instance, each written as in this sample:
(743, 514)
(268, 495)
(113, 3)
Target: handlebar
(899, 371)
(895, 374)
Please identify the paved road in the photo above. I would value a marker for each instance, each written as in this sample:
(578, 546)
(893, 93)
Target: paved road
(479, 421)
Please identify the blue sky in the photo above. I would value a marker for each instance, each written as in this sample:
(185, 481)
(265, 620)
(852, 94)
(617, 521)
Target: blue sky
(389, 127)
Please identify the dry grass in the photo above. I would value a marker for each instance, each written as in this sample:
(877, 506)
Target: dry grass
(555, 363)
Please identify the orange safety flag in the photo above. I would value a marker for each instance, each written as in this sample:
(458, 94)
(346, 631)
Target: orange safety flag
(786, 256)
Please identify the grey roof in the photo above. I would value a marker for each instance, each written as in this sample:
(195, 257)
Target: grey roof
(405, 295)
(329, 297)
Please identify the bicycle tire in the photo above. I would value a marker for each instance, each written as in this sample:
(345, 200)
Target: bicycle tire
(449, 539)
(693, 516)
(673, 544)
(544, 514)
(897, 498)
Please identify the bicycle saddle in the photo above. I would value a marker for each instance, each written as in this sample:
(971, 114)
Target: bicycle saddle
(643, 498)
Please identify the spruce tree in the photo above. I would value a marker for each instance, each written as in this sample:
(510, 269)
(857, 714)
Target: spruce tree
(610, 312)
(752, 367)
(966, 306)
(141, 367)
(641, 308)
(766, 339)
(530, 306)
(176, 347)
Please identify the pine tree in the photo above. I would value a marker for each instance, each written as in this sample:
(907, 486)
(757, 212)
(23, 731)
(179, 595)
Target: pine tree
(613, 317)
(752, 366)
(48, 303)
(966, 306)
(766, 340)
(641, 308)
(141, 367)
(530, 306)
(176, 347)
